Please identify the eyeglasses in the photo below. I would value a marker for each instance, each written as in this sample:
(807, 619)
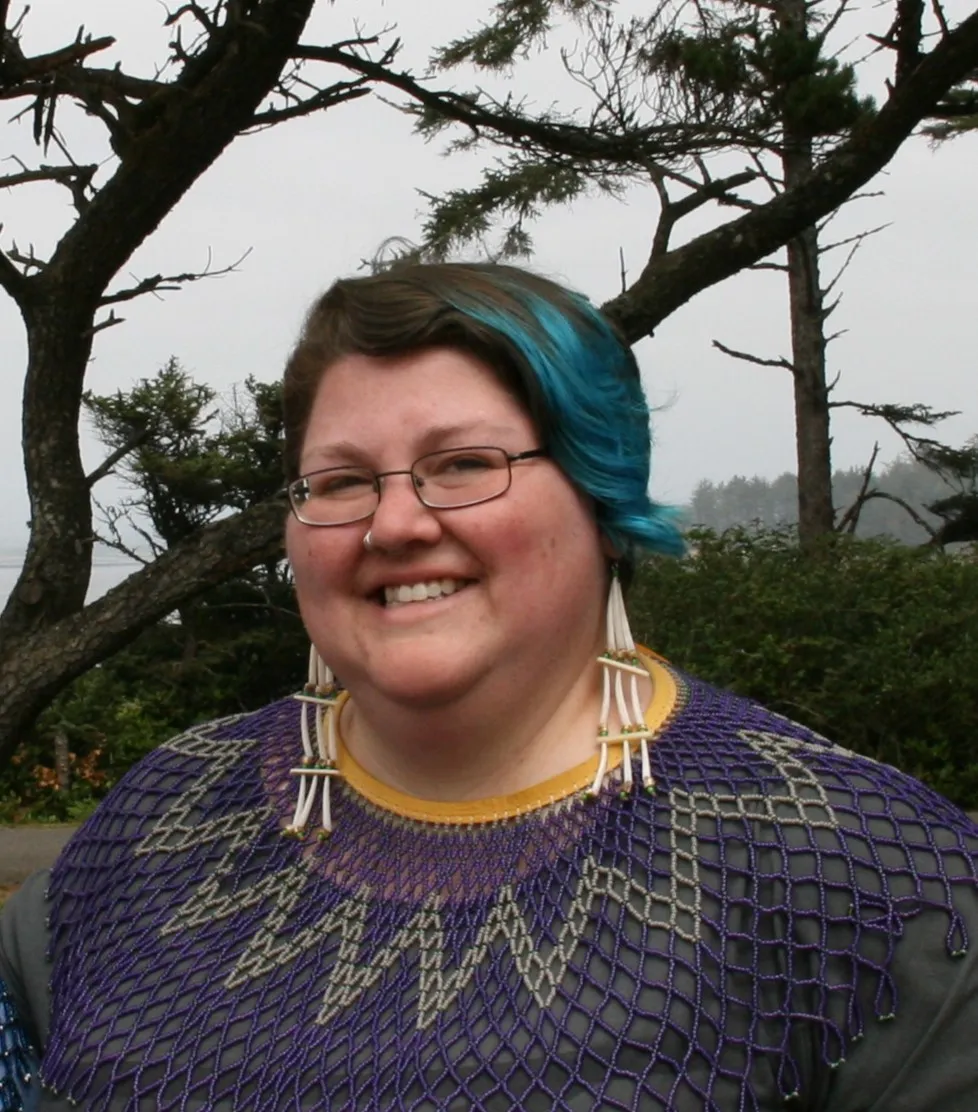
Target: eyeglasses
(445, 480)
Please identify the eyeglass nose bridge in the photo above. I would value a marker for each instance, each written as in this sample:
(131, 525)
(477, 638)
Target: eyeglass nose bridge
(417, 482)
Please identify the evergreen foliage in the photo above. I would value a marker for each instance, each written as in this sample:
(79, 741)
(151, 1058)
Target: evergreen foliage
(190, 458)
(872, 644)
(943, 498)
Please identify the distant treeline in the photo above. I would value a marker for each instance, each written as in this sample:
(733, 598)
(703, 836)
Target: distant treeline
(774, 503)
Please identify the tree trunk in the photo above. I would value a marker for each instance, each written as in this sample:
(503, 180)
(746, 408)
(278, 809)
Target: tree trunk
(47, 635)
(37, 665)
(54, 579)
(816, 515)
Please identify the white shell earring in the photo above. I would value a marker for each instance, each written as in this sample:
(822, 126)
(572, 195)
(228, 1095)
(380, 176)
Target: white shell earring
(621, 662)
(368, 542)
(319, 747)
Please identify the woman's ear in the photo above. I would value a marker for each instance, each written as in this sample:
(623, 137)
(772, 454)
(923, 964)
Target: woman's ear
(609, 549)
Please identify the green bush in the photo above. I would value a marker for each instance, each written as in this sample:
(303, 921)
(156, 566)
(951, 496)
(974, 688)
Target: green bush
(231, 655)
(872, 644)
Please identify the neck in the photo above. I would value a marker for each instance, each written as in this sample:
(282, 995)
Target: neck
(506, 734)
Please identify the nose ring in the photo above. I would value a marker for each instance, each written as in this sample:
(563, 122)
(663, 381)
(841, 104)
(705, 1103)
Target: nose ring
(368, 543)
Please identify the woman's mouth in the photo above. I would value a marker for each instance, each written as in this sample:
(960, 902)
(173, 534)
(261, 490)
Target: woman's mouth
(426, 591)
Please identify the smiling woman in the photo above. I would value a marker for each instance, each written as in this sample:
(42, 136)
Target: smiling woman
(527, 863)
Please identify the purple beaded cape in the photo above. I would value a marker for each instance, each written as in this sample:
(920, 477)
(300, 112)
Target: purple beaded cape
(721, 943)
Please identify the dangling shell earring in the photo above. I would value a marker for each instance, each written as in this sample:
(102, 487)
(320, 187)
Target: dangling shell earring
(318, 698)
(621, 661)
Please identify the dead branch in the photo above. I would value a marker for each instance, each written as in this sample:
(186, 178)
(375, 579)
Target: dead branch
(898, 416)
(11, 279)
(827, 291)
(671, 212)
(109, 322)
(166, 283)
(337, 93)
(106, 466)
(930, 530)
(77, 179)
(781, 362)
(857, 238)
(18, 68)
(850, 519)
(59, 174)
(30, 261)
(194, 10)
(595, 142)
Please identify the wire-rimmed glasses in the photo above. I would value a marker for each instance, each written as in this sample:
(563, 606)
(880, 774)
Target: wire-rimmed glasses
(445, 480)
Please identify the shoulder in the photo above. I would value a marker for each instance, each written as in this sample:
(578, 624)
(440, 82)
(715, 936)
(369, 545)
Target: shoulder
(201, 754)
(25, 971)
(177, 796)
(739, 773)
(722, 743)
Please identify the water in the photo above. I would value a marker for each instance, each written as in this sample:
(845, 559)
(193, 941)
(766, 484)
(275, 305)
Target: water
(106, 573)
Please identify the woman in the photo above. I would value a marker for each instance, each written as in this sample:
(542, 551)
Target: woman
(549, 870)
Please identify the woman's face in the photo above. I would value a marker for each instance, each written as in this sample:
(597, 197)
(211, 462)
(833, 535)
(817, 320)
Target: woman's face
(528, 565)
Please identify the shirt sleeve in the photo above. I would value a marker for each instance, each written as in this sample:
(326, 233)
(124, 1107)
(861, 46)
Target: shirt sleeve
(918, 1049)
(24, 1004)
(925, 1055)
(17, 1058)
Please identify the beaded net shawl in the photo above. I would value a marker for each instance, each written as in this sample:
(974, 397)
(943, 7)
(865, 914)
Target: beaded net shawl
(718, 943)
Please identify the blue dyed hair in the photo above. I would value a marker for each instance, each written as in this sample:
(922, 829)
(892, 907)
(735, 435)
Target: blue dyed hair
(559, 355)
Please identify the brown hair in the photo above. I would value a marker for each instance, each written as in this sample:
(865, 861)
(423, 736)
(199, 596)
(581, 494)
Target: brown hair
(411, 307)
(560, 357)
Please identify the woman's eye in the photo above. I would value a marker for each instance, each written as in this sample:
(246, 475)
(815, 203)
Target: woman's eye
(335, 485)
(466, 463)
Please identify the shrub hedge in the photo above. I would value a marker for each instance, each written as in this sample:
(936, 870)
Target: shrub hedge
(872, 644)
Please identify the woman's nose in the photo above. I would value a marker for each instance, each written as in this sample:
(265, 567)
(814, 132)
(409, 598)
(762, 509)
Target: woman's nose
(401, 517)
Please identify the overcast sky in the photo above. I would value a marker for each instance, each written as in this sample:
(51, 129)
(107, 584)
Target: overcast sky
(312, 198)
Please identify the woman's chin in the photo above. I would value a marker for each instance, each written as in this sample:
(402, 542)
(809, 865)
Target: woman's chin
(431, 672)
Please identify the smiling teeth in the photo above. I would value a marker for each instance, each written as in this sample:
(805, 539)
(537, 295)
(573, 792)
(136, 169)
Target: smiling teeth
(421, 592)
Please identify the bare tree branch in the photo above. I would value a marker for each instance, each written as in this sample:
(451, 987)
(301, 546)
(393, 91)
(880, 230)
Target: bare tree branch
(160, 283)
(850, 519)
(337, 93)
(671, 212)
(12, 280)
(77, 179)
(671, 280)
(898, 417)
(107, 322)
(18, 68)
(105, 467)
(756, 359)
(30, 261)
(925, 525)
(823, 249)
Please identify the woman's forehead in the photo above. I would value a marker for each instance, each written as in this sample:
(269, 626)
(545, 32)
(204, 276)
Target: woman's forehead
(436, 388)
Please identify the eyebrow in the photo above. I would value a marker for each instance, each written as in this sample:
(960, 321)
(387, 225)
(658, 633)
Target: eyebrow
(436, 434)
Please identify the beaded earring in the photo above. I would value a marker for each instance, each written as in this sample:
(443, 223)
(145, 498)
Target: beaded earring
(318, 698)
(621, 662)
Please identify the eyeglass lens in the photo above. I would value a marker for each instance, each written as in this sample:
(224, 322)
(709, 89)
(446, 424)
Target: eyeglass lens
(443, 480)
